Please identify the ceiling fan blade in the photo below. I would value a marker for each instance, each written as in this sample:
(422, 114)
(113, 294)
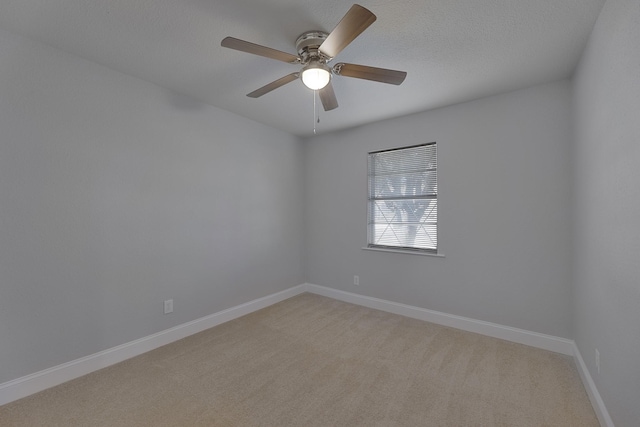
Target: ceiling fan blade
(328, 98)
(356, 20)
(382, 75)
(256, 49)
(273, 85)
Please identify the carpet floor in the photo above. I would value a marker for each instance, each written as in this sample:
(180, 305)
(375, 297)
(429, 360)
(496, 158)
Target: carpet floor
(315, 361)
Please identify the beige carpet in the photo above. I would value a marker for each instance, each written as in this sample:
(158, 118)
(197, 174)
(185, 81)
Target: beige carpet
(314, 361)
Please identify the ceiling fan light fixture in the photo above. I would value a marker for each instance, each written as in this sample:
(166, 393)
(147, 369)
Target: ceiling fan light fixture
(316, 75)
(317, 48)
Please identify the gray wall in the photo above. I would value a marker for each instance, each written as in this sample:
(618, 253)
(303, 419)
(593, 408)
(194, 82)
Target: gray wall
(606, 213)
(504, 211)
(116, 195)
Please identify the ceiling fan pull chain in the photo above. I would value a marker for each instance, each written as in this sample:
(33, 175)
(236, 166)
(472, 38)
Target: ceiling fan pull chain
(314, 112)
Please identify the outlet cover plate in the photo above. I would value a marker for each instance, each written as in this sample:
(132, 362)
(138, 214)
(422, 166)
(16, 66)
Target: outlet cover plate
(168, 306)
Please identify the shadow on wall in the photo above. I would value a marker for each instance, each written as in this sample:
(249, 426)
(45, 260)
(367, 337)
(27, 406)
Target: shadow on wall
(183, 102)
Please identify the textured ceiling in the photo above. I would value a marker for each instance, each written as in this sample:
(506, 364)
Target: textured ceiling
(452, 50)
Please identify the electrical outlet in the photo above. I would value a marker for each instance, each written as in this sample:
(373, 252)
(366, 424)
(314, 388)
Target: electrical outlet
(356, 280)
(168, 306)
(597, 360)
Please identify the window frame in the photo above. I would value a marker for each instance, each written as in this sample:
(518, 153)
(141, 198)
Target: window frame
(371, 205)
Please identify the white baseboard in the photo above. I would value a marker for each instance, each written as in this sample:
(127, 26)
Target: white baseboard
(33, 383)
(521, 336)
(592, 391)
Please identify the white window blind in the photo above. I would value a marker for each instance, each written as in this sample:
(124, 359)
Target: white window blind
(403, 198)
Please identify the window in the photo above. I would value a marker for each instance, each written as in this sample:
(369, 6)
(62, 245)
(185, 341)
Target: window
(403, 199)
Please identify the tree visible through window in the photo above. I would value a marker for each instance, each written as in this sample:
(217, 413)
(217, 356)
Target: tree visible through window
(403, 198)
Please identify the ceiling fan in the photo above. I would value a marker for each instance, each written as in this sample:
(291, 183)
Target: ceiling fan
(315, 50)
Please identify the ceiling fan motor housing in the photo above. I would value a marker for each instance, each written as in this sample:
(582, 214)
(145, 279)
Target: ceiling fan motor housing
(307, 45)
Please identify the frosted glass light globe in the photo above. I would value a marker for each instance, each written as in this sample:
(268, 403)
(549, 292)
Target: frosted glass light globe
(315, 76)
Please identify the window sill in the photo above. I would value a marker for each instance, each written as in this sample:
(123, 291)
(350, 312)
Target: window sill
(400, 251)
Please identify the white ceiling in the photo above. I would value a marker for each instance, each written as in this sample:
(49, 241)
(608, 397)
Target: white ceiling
(452, 50)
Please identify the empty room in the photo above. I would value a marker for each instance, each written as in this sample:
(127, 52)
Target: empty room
(299, 213)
